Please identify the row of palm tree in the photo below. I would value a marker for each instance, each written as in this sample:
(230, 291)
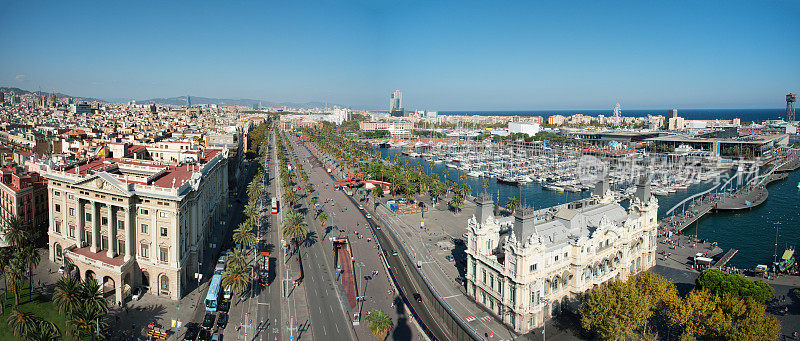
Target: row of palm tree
(349, 155)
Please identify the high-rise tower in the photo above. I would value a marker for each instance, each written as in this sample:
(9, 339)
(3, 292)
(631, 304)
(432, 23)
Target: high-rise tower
(396, 103)
(790, 99)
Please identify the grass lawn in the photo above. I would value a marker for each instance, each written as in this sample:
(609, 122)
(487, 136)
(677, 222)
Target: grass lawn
(37, 304)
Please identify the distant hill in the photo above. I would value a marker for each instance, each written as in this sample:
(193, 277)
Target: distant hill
(20, 92)
(246, 102)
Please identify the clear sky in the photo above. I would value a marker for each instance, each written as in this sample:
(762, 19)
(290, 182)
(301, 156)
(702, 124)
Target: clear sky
(460, 55)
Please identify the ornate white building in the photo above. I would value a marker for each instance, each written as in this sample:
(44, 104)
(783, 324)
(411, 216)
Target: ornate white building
(550, 257)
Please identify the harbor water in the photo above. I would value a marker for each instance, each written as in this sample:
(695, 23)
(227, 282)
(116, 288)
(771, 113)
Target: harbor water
(752, 231)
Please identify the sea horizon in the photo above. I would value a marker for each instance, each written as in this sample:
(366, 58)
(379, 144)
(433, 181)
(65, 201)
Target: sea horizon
(746, 115)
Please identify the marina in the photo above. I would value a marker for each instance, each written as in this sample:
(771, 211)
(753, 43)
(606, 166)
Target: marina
(681, 202)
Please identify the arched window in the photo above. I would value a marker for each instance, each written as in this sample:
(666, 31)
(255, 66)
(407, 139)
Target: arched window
(163, 284)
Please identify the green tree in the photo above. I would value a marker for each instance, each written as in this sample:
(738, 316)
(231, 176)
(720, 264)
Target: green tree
(22, 323)
(67, 294)
(30, 258)
(86, 319)
(615, 311)
(456, 202)
(237, 278)
(15, 232)
(512, 203)
(719, 283)
(379, 323)
(44, 331)
(15, 275)
(377, 191)
(323, 218)
(92, 296)
(244, 236)
(236, 259)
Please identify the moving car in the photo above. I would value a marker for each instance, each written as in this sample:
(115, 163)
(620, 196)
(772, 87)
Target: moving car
(369, 216)
(361, 207)
(394, 252)
(216, 337)
(417, 297)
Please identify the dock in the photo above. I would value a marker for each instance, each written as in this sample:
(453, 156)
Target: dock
(725, 258)
(746, 197)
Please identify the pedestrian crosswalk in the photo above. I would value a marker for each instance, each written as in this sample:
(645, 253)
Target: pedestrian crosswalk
(469, 318)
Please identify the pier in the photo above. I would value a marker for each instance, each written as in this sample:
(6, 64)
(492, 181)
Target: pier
(725, 258)
(745, 197)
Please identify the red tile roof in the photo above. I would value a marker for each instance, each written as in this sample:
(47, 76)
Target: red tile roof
(100, 256)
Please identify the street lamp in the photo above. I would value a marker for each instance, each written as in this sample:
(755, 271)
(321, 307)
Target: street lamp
(545, 301)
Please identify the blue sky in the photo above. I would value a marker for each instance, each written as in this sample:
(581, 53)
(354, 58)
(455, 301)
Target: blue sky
(482, 55)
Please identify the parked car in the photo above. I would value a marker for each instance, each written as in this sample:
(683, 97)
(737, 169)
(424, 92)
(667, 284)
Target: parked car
(417, 297)
(61, 270)
(360, 207)
(394, 252)
(449, 257)
(222, 320)
(208, 321)
(369, 216)
(377, 227)
(136, 294)
(205, 335)
(223, 306)
(192, 329)
(460, 280)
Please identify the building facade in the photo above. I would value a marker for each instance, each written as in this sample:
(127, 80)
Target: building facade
(551, 257)
(134, 222)
(23, 194)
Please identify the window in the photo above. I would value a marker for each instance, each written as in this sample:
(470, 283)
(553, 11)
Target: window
(104, 221)
(88, 217)
(556, 258)
(533, 267)
(163, 231)
(71, 197)
(57, 207)
(163, 214)
(483, 272)
(57, 193)
(144, 211)
(71, 211)
(72, 231)
(57, 226)
(144, 228)
(120, 224)
(145, 250)
(164, 254)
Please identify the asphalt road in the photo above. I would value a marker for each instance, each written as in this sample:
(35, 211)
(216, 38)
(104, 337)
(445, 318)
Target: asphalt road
(347, 219)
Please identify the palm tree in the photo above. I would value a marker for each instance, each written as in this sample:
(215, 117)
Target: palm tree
(44, 331)
(456, 202)
(251, 210)
(323, 218)
(30, 257)
(290, 197)
(15, 232)
(512, 203)
(244, 237)
(22, 323)
(254, 190)
(5, 259)
(236, 258)
(379, 323)
(86, 319)
(67, 295)
(314, 202)
(92, 296)
(237, 278)
(15, 277)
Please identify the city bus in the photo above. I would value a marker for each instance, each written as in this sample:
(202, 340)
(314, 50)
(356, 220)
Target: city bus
(212, 297)
(274, 205)
(263, 269)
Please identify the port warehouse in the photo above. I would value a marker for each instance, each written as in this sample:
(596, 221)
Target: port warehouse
(713, 144)
(760, 145)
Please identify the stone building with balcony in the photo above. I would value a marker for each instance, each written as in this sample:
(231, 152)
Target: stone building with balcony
(132, 222)
(549, 258)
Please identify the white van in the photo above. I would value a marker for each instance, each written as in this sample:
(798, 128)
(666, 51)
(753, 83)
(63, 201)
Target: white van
(226, 294)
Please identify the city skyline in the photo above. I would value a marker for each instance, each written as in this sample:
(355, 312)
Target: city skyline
(443, 57)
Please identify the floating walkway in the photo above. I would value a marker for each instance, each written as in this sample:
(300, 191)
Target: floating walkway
(726, 258)
(745, 197)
